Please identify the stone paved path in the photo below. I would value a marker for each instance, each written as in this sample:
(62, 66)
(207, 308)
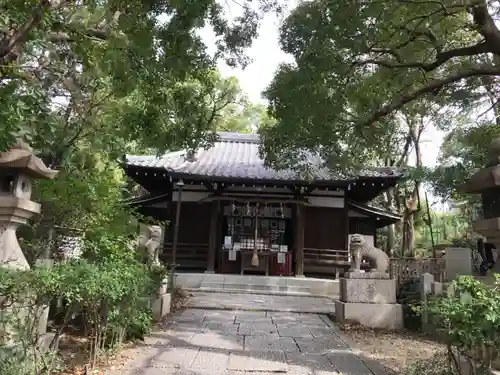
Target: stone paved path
(202, 341)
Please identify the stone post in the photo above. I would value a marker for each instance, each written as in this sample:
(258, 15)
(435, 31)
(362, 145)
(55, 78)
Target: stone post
(18, 168)
(458, 261)
(370, 300)
(426, 281)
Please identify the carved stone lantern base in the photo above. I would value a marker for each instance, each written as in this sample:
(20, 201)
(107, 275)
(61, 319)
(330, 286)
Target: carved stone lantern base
(14, 212)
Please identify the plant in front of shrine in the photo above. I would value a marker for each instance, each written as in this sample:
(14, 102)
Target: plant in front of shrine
(108, 300)
(469, 323)
(24, 296)
(111, 294)
(408, 294)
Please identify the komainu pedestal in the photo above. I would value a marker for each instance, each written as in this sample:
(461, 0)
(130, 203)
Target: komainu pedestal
(370, 300)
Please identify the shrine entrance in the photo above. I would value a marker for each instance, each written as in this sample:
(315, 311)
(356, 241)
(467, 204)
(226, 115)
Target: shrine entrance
(256, 239)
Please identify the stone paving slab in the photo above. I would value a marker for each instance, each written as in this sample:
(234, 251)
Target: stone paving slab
(300, 363)
(295, 331)
(175, 357)
(258, 361)
(257, 329)
(320, 345)
(348, 363)
(223, 342)
(217, 341)
(222, 328)
(261, 343)
(215, 360)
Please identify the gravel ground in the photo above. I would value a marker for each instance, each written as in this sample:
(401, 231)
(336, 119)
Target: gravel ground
(395, 350)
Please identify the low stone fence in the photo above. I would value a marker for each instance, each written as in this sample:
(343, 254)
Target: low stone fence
(430, 287)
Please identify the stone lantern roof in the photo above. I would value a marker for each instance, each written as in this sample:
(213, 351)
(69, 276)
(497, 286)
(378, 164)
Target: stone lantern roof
(20, 157)
(487, 177)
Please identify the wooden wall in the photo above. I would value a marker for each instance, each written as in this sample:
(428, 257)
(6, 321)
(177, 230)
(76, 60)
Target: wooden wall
(325, 236)
(324, 228)
(364, 226)
(194, 230)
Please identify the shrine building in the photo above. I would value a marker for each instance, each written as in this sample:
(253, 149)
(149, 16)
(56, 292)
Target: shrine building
(237, 216)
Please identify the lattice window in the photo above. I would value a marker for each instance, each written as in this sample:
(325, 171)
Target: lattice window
(269, 220)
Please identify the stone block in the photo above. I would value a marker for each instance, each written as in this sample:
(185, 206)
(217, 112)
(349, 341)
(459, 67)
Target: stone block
(271, 344)
(374, 315)
(458, 262)
(368, 290)
(161, 306)
(45, 340)
(162, 290)
(258, 361)
(367, 275)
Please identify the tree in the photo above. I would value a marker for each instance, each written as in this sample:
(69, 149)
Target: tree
(65, 68)
(245, 117)
(358, 64)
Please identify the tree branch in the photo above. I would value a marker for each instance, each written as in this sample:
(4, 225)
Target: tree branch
(18, 36)
(441, 58)
(486, 26)
(430, 87)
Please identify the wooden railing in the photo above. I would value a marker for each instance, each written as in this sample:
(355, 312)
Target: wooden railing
(410, 268)
(189, 256)
(325, 261)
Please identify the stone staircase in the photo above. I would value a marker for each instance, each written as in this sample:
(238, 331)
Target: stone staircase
(270, 285)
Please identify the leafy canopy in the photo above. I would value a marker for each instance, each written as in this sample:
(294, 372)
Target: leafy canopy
(358, 63)
(122, 70)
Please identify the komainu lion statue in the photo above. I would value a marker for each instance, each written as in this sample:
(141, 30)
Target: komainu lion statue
(150, 240)
(361, 250)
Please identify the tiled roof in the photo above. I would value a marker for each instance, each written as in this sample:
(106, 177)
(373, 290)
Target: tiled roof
(236, 155)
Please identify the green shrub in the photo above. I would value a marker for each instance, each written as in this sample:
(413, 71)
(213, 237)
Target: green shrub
(112, 295)
(408, 294)
(468, 321)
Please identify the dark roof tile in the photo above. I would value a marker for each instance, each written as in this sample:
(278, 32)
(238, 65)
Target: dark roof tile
(236, 155)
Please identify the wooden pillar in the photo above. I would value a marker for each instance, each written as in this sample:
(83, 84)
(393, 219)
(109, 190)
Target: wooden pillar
(299, 240)
(213, 236)
(346, 223)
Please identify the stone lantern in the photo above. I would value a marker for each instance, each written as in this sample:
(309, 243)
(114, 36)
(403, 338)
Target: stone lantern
(486, 182)
(18, 168)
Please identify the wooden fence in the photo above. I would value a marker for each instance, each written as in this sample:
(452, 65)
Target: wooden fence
(403, 269)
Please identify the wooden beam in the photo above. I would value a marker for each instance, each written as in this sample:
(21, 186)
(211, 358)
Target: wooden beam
(299, 240)
(252, 198)
(212, 239)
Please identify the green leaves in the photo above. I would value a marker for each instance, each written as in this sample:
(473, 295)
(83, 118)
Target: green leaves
(359, 67)
(108, 73)
(469, 320)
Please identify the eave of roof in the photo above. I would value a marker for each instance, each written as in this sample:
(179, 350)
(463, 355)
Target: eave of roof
(146, 200)
(382, 216)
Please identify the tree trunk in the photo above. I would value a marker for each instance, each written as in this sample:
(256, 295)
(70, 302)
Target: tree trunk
(412, 204)
(391, 229)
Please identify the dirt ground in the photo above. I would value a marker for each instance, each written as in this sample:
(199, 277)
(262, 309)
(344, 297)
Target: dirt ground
(74, 349)
(394, 350)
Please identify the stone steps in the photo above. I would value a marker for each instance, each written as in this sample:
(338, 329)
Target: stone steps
(257, 292)
(281, 290)
(250, 284)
